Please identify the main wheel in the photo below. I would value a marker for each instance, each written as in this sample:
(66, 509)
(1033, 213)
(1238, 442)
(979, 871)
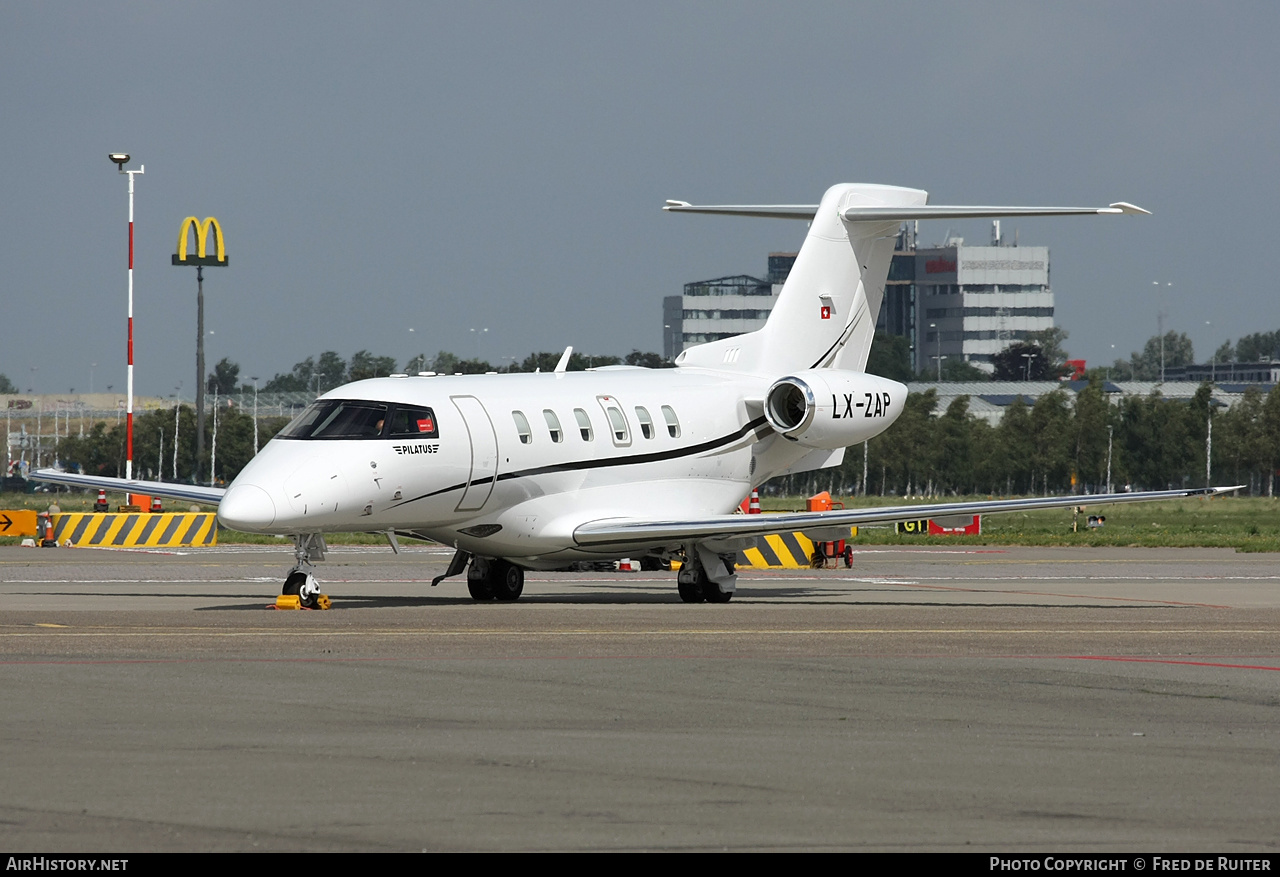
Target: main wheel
(507, 580)
(480, 579)
(694, 591)
(714, 595)
(480, 589)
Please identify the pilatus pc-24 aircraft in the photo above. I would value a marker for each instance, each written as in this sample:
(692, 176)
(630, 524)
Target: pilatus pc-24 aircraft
(536, 471)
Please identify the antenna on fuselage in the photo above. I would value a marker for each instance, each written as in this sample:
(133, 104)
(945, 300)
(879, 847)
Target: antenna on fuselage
(563, 365)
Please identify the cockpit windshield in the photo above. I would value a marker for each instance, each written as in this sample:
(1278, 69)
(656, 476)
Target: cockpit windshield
(361, 419)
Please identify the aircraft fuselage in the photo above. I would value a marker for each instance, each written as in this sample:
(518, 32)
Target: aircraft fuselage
(508, 465)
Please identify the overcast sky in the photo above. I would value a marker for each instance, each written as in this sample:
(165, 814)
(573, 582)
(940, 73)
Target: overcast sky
(392, 176)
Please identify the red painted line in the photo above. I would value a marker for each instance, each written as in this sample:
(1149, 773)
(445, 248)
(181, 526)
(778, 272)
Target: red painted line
(131, 341)
(1169, 661)
(924, 587)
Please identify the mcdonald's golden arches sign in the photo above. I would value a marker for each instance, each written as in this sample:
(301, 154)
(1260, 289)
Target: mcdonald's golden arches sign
(202, 230)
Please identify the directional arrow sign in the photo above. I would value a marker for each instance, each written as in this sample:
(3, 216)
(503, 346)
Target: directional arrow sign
(17, 522)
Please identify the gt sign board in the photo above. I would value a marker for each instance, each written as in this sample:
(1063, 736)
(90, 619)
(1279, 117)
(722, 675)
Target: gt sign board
(952, 525)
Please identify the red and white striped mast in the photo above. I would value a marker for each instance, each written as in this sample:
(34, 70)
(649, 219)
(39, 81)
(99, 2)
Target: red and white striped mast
(120, 158)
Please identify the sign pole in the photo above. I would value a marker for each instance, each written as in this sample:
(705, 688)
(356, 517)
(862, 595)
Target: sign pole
(201, 258)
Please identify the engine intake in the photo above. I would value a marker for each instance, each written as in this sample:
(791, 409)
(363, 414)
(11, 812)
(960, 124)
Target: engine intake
(833, 408)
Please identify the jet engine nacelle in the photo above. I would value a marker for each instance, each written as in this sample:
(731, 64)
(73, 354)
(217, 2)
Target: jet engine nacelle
(833, 408)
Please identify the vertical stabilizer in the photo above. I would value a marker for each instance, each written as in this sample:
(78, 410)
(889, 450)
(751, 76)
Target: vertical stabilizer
(826, 314)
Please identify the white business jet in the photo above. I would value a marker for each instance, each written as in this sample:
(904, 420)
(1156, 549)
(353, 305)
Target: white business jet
(537, 471)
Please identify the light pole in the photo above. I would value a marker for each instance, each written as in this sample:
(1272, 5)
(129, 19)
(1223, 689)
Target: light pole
(120, 158)
(255, 414)
(937, 337)
(1160, 326)
(1026, 374)
(476, 335)
(1109, 429)
(1213, 363)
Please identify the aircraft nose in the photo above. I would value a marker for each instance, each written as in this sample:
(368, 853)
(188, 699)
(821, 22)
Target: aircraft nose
(247, 508)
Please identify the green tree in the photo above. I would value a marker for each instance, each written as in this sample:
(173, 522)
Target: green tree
(1051, 441)
(1259, 346)
(1022, 361)
(365, 365)
(297, 381)
(224, 377)
(956, 369)
(1091, 418)
(1011, 456)
(445, 363)
(1050, 342)
(1177, 351)
(890, 357)
(646, 360)
(6, 385)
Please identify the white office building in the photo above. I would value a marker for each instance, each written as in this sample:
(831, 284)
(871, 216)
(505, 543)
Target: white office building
(953, 301)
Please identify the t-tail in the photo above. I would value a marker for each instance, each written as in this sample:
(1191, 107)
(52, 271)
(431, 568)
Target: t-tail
(825, 316)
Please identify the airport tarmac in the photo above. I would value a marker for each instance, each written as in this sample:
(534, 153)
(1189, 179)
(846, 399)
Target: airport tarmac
(930, 699)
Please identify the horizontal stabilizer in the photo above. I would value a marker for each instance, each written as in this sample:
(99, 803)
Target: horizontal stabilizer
(898, 214)
(903, 214)
(768, 211)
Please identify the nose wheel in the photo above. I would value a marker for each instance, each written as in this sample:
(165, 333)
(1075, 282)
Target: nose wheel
(304, 586)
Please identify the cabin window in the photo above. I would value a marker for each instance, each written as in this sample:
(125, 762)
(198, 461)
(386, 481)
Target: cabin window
(673, 423)
(522, 427)
(584, 424)
(553, 425)
(617, 422)
(408, 421)
(645, 421)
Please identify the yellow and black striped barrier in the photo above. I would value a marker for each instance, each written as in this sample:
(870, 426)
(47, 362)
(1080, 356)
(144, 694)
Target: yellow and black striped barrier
(144, 530)
(781, 551)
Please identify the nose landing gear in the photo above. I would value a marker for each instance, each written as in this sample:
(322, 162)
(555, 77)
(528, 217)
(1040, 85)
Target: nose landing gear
(301, 582)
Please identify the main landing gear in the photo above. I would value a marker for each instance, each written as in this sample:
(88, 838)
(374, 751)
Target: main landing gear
(697, 585)
(494, 579)
(301, 581)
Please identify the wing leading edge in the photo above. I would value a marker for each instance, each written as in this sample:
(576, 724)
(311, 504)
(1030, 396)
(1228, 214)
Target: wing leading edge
(190, 492)
(630, 531)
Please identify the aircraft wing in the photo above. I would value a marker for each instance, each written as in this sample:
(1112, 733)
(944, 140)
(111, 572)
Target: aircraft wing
(190, 492)
(629, 530)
